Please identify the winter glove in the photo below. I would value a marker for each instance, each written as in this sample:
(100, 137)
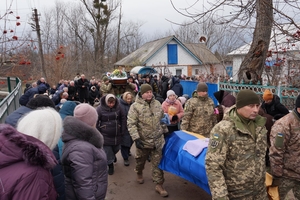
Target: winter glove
(174, 118)
(139, 144)
(276, 181)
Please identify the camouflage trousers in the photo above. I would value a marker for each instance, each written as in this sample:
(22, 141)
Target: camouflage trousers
(156, 155)
(289, 184)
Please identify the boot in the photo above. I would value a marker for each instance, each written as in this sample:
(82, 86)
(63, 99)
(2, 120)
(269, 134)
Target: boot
(140, 178)
(159, 188)
(111, 169)
(126, 162)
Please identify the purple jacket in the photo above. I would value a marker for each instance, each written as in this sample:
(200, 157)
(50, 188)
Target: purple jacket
(84, 161)
(25, 164)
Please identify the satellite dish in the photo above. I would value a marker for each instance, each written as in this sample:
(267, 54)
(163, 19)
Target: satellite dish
(202, 39)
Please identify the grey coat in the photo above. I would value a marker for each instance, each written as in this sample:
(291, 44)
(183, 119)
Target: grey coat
(84, 161)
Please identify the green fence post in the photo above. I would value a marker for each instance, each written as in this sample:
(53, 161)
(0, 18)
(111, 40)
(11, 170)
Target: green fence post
(8, 84)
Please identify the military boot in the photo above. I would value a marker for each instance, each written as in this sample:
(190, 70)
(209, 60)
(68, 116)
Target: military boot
(140, 178)
(159, 188)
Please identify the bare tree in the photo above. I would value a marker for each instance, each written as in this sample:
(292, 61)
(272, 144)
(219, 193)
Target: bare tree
(217, 37)
(242, 14)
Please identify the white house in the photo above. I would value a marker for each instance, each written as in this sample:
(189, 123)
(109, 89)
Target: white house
(284, 54)
(169, 56)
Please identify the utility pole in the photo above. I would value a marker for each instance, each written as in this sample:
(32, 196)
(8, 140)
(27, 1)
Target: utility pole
(38, 31)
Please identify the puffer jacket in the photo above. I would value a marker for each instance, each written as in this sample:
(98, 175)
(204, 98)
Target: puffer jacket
(13, 118)
(143, 121)
(284, 151)
(84, 161)
(111, 122)
(24, 99)
(25, 164)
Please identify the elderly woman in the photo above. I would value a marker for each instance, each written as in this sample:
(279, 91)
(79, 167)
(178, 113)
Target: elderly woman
(173, 107)
(125, 102)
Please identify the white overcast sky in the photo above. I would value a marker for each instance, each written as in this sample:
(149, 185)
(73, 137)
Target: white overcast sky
(153, 13)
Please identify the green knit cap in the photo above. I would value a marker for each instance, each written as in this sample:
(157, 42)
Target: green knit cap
(246, 97)
(145, 88)
(105, 78)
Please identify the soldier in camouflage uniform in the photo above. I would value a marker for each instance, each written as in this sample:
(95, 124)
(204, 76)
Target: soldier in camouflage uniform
(143, 122)
(106, 86)
(285, 153)
(199, 114)
(235, 159)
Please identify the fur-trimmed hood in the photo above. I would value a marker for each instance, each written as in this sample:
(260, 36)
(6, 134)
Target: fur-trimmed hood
(76, 129)
(17, 147)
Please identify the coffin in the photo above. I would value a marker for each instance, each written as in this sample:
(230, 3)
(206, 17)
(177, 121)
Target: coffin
(119, 81)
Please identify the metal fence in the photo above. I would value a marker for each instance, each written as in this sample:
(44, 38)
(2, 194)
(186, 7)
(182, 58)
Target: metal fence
(287, 95)
(11, 90)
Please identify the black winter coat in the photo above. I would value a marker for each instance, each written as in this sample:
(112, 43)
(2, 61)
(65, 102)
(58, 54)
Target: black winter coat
(275, 108)
(164, 87)
(111, 122)
(126, 138)
(93, 95)
(177, 87)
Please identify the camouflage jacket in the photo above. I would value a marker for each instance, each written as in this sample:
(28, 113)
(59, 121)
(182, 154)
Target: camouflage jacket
(143, 121)
(199, 115)
(285, 147)
(235, 159)
(106, 89)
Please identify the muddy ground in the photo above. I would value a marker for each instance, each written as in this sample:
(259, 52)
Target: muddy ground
(123, 186)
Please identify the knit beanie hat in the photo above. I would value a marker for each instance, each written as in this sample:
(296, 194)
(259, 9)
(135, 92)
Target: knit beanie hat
(170, 92)
(44, 124)
(67, 109)
(298, 102)
(246, 97)
(109, 96)
(145, 88)
(42, 88)
(86, 113)
(105, 78)
(202, 87)
(182, 100)
(40, 101)
(267, 95)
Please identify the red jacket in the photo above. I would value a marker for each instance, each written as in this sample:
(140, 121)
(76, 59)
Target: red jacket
(25, 164)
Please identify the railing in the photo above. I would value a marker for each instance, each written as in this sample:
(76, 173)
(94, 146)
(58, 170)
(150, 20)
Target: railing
(287, 95)
(11, 90)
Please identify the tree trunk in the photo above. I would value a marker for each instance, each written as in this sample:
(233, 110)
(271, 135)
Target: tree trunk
(252, 66)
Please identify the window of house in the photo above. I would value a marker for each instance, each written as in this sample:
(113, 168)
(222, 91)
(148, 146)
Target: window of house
(178, 72)
(229, 71)
(172, 54)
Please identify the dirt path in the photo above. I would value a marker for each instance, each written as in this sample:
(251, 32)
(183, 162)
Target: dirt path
(122, 185)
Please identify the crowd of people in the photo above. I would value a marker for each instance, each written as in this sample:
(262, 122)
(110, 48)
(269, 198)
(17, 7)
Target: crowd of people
(90, 121)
